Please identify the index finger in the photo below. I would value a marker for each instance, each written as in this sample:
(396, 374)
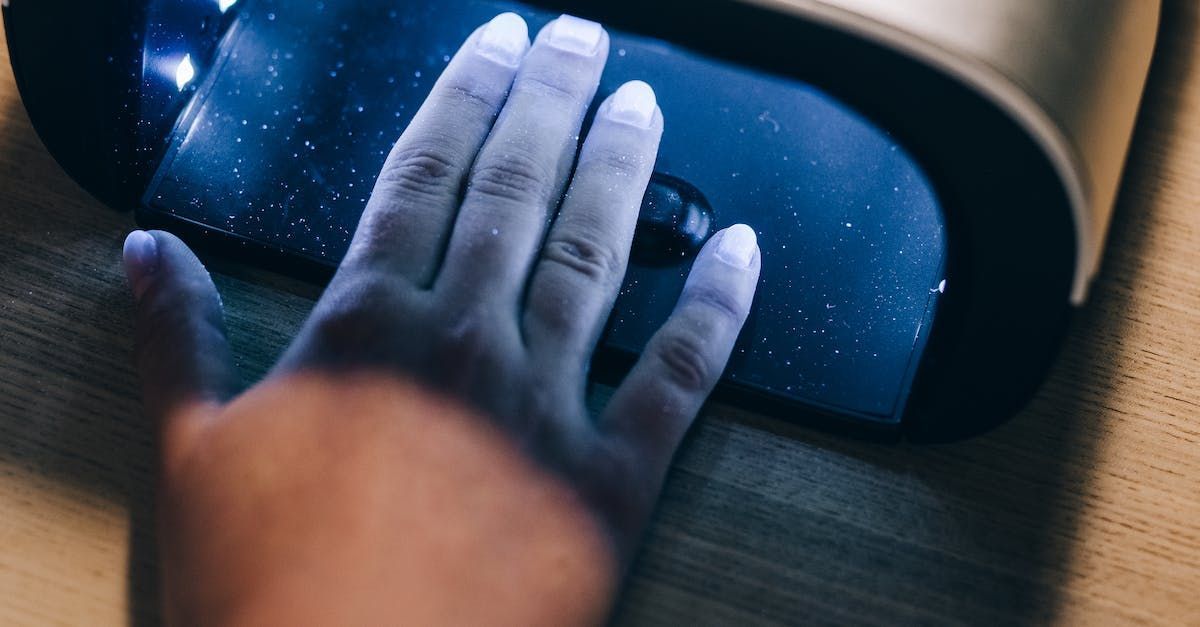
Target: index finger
(416, 196)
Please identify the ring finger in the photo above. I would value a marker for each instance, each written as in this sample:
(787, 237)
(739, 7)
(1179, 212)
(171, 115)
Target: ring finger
(584, 259)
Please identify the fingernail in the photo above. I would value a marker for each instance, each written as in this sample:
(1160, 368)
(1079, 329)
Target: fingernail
(737, 246)
(634, 103)
(141, 259)
(575, 35)
(504, 40)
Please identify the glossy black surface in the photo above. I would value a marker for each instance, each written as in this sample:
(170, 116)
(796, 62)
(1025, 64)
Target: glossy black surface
(285, 135)
(98, 82)
(675, 221)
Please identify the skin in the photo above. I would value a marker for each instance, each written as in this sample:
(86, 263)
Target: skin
(422, 452)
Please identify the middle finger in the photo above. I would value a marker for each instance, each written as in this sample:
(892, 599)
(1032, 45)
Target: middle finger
(522, 170)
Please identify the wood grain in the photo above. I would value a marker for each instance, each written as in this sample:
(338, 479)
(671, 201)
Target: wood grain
(1085, 509)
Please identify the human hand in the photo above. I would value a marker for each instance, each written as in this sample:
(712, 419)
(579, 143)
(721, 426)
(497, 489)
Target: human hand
(462, 278)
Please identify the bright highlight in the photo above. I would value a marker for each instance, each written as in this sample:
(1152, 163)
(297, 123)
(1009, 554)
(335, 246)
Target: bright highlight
(185, 72)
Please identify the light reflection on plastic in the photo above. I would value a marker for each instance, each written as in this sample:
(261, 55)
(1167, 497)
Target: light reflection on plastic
(185, 72)
(225, 4)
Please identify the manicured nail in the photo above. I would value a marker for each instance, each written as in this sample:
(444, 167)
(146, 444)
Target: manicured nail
(634, 103)
(575, 35)
(737, 246)
(504, 40)
(141, 260)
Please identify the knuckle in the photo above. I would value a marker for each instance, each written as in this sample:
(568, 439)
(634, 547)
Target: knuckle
(516, 178)
(465, 337)
(614, 162)
(352, 313)
(547, 407)
(339, 325)
(719, 305)
(585, 258)
(550, 85)
(615, 482)
(685, 361)
(540, 402)
(474, 95)
(472, 350)
(609, 462)
(422, 168)
(554, 309)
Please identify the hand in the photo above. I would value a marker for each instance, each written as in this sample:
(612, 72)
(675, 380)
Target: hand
(454, 280)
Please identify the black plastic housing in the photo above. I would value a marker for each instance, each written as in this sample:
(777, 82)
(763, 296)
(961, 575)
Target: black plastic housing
(1006, 250)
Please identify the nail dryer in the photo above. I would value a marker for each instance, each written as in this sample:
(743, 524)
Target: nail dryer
(931, 180)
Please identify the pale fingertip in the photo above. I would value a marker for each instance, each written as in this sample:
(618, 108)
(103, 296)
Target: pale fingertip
(504, 40)
(575, 35)
(634, 103)
(141, 259)
(737, 246)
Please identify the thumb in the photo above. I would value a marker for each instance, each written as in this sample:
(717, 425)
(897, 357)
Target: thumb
(182, 351)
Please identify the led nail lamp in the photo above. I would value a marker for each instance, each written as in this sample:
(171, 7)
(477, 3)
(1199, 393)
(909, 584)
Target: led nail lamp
(931, 180)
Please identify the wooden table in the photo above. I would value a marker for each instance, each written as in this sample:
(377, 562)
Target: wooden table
(1084, 509)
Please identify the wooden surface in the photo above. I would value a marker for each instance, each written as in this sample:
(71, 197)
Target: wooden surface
(1085, 509)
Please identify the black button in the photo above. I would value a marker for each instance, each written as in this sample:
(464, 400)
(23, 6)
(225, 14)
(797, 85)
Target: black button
(675, 222)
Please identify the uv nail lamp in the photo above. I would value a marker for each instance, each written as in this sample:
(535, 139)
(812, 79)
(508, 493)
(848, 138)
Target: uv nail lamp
(931, 180)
